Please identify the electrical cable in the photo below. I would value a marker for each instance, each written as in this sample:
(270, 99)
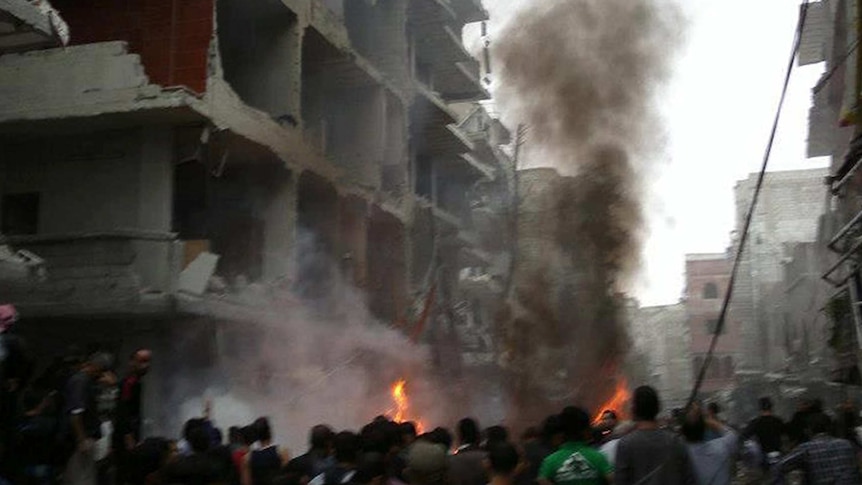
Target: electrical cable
(797, 40)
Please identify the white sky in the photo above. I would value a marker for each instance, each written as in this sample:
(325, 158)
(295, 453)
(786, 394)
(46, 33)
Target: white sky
(719, 110)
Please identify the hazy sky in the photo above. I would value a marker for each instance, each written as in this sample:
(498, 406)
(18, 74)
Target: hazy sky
(718, 110)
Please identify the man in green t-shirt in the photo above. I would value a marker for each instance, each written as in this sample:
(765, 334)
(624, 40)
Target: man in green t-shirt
(575, 463)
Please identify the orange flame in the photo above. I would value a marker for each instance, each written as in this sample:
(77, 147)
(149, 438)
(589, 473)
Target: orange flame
(401, 411)
(616, 402)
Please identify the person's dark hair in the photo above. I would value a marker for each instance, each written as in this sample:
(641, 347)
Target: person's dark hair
(263, 431)
(575, 422)
(714, 408)
(817, 405)
(765, 404)
(818, 423)
(248, 434)
(190, 425)
(468, 431)
(370, 466)
(551, 427)
(646, 404)
(496, 434)
(407, 428)
(234, 435)
(320, 437)
(442, 437)
(198, 439)
(346, 447)
(694, 427)
(503, 458)
(373, 437)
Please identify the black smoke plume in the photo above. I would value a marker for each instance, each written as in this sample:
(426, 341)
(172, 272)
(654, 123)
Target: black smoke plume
(583, 76)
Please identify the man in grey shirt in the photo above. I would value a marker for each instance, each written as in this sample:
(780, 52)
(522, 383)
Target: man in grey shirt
(711, 459)
(649, 455)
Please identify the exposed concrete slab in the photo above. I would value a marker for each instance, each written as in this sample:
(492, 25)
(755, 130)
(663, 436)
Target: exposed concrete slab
(24, 25)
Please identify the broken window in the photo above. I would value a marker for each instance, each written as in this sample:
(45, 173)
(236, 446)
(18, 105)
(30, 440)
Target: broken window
(20, 214)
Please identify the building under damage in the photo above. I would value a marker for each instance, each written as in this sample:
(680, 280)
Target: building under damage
(198, 164)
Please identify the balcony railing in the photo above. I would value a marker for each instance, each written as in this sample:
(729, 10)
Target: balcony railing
(105, 273)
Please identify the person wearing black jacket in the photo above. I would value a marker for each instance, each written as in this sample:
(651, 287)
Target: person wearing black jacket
(127, 416)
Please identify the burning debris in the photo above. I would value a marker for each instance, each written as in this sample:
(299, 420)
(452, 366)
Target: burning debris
(616, 403)
(583, 77)
(400, 411)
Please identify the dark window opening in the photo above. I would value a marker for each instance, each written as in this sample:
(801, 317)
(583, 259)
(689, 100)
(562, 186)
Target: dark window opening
(20, 214)
(424, 178)
(712, 326)
(710, 291)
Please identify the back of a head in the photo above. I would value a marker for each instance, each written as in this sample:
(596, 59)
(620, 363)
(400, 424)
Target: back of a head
(819, 423)
(321, 437)
(100, 361)
(198, 439)
(575, 423)
(646, 404)
(496, 434)
(694, 426)
(503, 458)
(551, 427)
(427, 464)
(765, 404)
(234, 435)
(248, 435)
(190, 425)
(262, 429)
(346, 446)
(441, 436)
(468, 431)
(407, 430)
(370, 466)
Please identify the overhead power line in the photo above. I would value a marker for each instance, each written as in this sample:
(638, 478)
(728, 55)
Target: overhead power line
(797, 40)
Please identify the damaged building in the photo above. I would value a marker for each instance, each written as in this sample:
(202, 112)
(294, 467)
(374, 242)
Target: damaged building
(197, 164)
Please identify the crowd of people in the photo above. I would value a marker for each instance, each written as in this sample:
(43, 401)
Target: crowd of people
(54, 429)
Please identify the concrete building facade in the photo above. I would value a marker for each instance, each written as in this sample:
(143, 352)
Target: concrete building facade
(178, 157)
(787, 213)
(706, 277)
(661, 334)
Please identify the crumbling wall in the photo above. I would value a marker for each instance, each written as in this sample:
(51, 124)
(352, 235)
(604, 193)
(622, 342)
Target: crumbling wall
(378, 31)
(171, 36)
(260, 51)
